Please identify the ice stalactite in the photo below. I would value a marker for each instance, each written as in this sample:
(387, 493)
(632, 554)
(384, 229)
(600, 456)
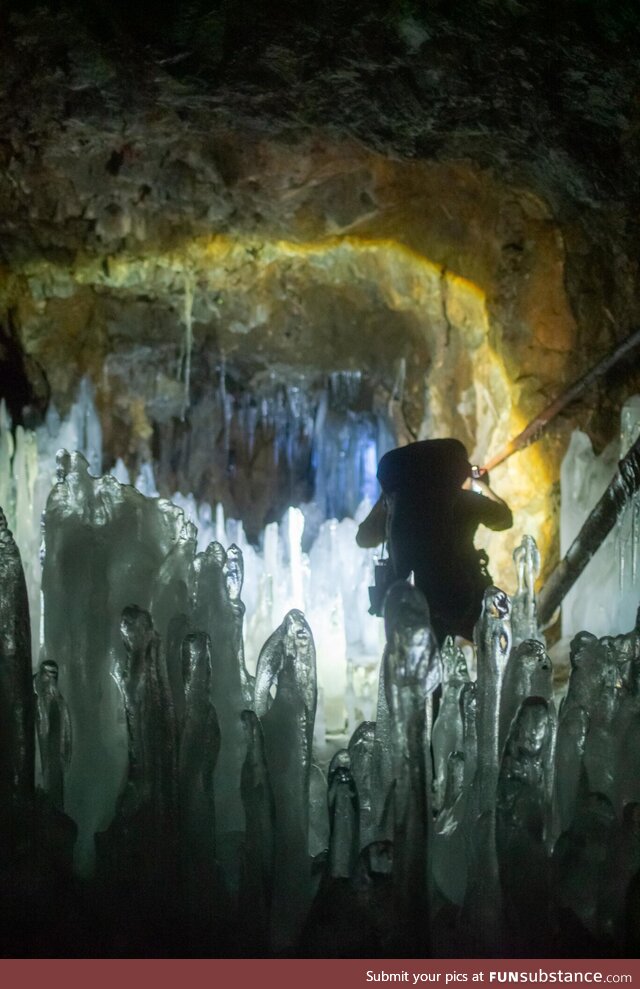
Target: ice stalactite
(329, 583)
(347, 445)
(7, 493)
(27, 471)
(188, 342)
(329, 578)
(252, 849)
(628, 530)
(605, 597)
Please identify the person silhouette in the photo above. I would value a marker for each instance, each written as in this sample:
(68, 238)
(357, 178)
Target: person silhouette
(431, 505)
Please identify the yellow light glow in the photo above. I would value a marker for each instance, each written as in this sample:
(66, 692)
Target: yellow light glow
(406, 280)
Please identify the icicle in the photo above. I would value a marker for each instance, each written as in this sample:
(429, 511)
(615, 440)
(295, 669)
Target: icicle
(221, 532)
(635, 538)
(146, 482)
(295, 525)
(7, 491)
(627, 526)
(120, 472)
(397, 392)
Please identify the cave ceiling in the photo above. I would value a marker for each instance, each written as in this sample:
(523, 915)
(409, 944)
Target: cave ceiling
(452, 189)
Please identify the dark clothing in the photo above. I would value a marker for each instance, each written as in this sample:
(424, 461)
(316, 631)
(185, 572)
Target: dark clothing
(431, 524)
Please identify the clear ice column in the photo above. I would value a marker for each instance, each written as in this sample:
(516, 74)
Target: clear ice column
(448, 730)
(412, 671)
(287, 661)
(482, 911)
(17, 701)
(53, 731)
(524, 786)
(524, 613)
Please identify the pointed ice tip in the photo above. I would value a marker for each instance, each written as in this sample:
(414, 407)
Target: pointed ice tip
(496, 603)
(63, 464)
(216, 552)
(78, 462)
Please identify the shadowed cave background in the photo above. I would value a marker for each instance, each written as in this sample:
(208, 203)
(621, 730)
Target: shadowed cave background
(247, 199)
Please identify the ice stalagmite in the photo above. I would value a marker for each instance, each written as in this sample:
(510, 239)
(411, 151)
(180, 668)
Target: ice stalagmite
(454, 829)
(256, 886)
(468, 709)
(449, 854)
(360, 748)
(601, 746)
(199, 745)
(412, 671)
(137, 632)
(573, 726)
(171, 598)
(482, 906)
(17, 701)
(493, 643)
(401, 606)
(287, 661)
(218, 611)
(528, 673)
(628, 775)
(53, 723)
(616, 894)
(522, 804)
(141, 676)
(447, 734)
(343, 817)
(234, 577)
(318, 843)
(524, 617)
(587, 725)
(104, 547)
(580, 865)
(382, 765)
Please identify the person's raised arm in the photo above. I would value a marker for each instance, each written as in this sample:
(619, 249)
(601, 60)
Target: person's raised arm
(494, 511)
(373, 529)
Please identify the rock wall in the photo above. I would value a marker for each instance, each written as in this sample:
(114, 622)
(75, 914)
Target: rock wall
(372, 215)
